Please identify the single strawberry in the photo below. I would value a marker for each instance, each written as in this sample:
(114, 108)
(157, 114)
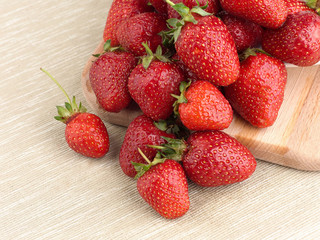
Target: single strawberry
(297, 41)
(244, 32)
(295, 6)
(211, 158)
(201, 106)
(151, 84)
(85, 132)
(205, 45)
(269, 14)
(160, 6)
(119, 11)
(214, 158)
(141, 132)
(258, 93)
(109, 76)
(141, 28)
(211, 6)
(163, 185)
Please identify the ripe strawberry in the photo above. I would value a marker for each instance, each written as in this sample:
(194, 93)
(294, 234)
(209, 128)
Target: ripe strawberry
(208, 49)
(141, 28)
(245, 33)
(141, 132)
(258, 93)
(214, 158)
(297, 41)
(204, 44)
(120, 10)
(85, 133)
(160, 6)
(269, 14)
(164, 187)
(202, 106)
(108, 77)
(295, 6)
(151, 86)
(213, 6)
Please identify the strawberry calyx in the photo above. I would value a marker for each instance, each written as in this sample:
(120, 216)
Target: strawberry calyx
(71, 108)
(175, 25)
(150, 57)
(142, 168)
(182, 98)
(174, 148)
(251, 52)
(107, 48)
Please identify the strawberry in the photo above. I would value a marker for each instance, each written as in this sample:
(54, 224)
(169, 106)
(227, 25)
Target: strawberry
(164, 187)
(258, 93)
(119, 11)
(295, 6)
(151, 85)
(245, 33)
(141, 132)
(205, 45)
(214, 158)
(85, 132)
(202, 106)
(141, 28)
(297, 41)
(211, 158)
(269, 14)
(160, 6)
(108, 78)
(212, 6)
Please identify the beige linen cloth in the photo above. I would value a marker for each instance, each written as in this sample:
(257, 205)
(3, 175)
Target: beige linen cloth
(49, 192)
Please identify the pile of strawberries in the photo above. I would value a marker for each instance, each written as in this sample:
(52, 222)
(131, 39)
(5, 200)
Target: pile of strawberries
(189, 65)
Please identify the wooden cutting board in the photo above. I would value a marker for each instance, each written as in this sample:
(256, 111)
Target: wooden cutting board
(293, 140)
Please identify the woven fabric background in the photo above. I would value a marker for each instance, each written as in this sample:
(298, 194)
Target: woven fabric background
(49, 192)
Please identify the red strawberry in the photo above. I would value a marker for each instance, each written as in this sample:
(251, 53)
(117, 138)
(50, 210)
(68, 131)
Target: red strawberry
(245, 33)
(297, 41)
(212, 7)
(258, 93)
(141, 28)
(119, 11)
(151, 87)
(208, 49)
(214, 158)
(204, 45)
(85, 133)
(202, 106)
(108, 77)
(160, 6)
(269, 14)
(165, 188)
(141, 132)
(295, 6)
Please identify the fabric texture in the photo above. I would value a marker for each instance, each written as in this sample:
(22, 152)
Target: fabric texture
(47, 191)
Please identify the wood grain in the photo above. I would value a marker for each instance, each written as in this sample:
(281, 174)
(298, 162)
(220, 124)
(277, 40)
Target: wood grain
(292, 141)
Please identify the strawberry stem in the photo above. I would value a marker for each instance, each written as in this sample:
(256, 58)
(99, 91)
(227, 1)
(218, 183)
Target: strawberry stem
(58, 84)
(144, 156)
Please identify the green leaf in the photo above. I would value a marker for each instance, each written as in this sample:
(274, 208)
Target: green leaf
(181, 9)
(176, 34)
(173, 22)
(107, 45)
(146, 61)
(161, 125)
(199, 10)
(63, 112)
(68, 106)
